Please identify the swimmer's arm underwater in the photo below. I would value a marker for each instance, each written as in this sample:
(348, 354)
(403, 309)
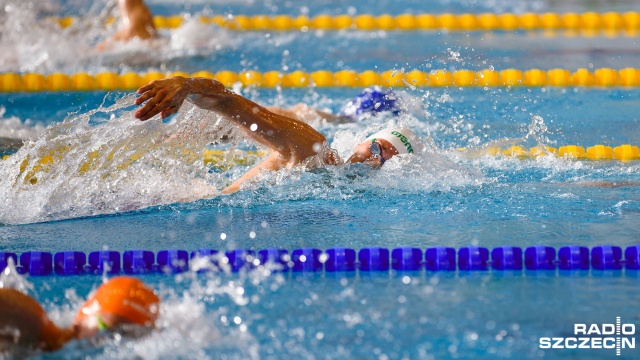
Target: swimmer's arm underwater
(290, 140)
(306, 113)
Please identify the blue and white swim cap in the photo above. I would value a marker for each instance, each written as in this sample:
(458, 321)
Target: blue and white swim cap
(370, 101)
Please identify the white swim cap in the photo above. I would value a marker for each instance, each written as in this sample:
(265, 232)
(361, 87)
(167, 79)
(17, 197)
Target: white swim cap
(403, 139)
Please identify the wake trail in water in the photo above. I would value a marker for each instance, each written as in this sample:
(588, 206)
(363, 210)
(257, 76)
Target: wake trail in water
(87, 165)
(31, 40)
(105, 161)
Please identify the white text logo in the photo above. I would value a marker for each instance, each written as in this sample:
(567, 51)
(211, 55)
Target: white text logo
(595, 336)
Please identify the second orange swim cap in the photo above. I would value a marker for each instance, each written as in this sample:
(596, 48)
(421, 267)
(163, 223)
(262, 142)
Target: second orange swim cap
(126, 297)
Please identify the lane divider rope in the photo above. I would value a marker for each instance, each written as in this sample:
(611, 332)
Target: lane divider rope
(587, 23)
(221, 159)
(111, 81)
(625, 152)
(339, 259)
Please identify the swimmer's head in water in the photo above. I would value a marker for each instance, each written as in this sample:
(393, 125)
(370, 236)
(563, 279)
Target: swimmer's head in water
(120, 301)
(385, 144)
(371, 101)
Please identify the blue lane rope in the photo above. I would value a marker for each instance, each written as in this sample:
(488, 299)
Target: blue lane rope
(473, 258)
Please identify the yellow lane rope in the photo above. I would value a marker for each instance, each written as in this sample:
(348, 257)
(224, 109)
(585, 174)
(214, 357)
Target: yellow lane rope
(110, 81)
(226, 158)
(223, 160)
(624, 152)
(588, 22)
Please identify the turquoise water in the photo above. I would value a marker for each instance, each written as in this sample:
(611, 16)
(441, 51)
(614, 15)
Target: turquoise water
(446, 198)
(433, 316)
(455, 201)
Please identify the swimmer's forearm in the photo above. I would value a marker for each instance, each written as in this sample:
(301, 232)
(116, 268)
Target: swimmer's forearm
(206, 94)
(212, 95)
(288, 136)
(293, 140)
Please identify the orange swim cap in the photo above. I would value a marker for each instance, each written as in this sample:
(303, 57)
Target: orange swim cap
(126, 297)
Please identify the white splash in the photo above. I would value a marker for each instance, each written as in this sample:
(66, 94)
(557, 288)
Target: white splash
(10, 279)
(31, 41)
(14, 128)
(87, 165)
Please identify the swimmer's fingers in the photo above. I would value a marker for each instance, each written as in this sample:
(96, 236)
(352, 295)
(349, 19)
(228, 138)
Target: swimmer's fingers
(146, 88)
(161, 95)
(151, 108)
(163, 104)
(169, 111)
(149, 91)
(146, 96)
(154, 86)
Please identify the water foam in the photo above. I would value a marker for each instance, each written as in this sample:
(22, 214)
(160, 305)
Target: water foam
(87, 165)
(14, 128)
(105, 161)
(30, 41)
(214, 311)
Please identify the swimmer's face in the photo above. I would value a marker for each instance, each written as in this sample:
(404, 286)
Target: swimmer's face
(363, 154)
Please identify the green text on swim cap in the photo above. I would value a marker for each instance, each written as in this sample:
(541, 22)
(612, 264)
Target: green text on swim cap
(404, 140)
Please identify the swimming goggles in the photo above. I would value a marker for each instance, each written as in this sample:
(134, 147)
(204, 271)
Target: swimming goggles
(102, 326)
(376, 149)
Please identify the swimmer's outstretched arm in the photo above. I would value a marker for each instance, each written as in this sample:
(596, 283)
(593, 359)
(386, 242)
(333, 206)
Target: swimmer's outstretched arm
(306, 113)
(291, 141)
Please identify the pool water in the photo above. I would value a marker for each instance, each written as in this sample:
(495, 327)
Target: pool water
(448, 197)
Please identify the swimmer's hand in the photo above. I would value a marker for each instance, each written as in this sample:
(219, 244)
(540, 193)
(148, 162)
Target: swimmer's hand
(165, 97)
(162, 97)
